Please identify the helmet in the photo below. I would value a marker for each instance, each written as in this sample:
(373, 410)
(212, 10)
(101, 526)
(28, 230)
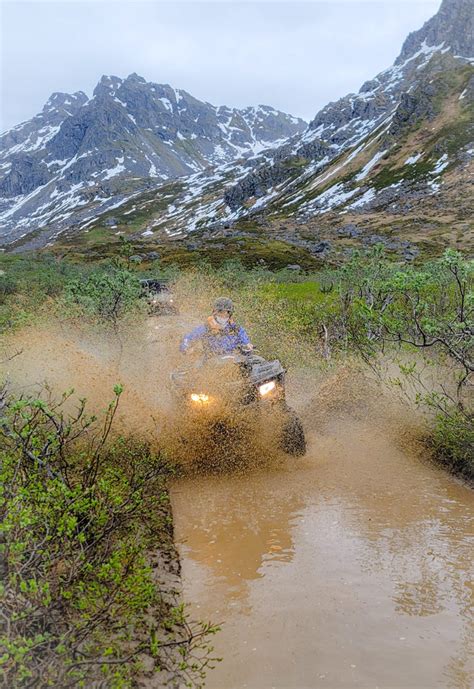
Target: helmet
(224, 304)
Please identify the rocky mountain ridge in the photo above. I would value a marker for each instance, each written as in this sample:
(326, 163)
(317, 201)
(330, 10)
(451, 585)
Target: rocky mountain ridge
(402, 145)
(345, 123)
(407, 185)
(130, 133)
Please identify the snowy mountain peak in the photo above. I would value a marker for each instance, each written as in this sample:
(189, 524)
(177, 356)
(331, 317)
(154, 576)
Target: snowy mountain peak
(131, 133)
(107, 85)
(59, 100)
(131, 142)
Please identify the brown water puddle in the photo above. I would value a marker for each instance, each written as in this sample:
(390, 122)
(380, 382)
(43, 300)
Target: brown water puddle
(350, 568)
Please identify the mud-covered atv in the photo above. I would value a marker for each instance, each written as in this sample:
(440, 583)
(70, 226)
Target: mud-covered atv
(158, 296)
(218, 389)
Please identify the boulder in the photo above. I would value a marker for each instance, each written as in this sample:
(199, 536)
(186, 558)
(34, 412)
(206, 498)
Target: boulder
(321, 247)
(350, 230)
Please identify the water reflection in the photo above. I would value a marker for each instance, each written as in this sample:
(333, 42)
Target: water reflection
(225, 517)
(415, 525)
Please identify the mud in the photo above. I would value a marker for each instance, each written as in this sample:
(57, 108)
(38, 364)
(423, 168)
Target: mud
(350, 567)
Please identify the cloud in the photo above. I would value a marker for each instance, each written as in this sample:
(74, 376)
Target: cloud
(293, 55)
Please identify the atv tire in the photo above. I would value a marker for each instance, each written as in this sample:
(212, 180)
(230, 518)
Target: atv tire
(293, 440)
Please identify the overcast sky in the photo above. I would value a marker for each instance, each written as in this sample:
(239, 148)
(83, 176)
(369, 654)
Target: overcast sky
(296, 56)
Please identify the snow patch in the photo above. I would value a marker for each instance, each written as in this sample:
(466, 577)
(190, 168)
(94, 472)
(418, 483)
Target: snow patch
(368, 196)
(167, 103)
(114, 171)
(413, 159)
(441, 164)
(366, 169)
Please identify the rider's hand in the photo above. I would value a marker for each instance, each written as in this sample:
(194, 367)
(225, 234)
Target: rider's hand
(248, 347)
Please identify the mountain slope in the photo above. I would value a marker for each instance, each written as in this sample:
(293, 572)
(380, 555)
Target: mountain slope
(392, 162)
(407, 184)
(129, 135)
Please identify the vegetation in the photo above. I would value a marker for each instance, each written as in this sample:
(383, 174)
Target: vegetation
(109, 294)
(428, 310)
(80, 511)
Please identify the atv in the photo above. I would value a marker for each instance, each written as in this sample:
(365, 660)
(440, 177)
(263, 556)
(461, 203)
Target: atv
(158, 296)
(217, 390)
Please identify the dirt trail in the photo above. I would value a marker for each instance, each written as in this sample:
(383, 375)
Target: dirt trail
(348, 568)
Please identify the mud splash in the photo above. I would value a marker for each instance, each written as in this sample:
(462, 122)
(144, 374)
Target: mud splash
(53, 360)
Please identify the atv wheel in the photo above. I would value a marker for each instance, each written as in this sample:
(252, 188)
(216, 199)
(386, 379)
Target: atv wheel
(293, 440)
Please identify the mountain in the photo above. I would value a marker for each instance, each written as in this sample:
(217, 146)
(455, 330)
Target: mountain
(130, 134)
(392, 164)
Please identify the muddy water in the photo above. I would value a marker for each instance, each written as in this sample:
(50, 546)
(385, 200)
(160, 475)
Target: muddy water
(350, 568)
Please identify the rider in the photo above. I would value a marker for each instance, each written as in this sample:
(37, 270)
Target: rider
(220, 334)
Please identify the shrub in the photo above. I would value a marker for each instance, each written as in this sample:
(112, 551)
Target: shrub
(453, 441)
(108, 294)
(80, 511)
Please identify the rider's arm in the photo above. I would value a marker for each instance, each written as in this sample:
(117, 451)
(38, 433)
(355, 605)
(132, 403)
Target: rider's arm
(244, 339)
(195, 334)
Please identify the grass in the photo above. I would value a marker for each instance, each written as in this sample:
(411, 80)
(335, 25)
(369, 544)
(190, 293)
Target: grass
(251, 251)
(308, 291)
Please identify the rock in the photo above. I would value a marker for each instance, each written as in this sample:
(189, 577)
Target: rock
(110, 222)
(411, 253)
(26, 174)
(374, 239)
(293, 266)
(137, 258)
(451, 26)
(321, 247)
(350, 230)
(258, 183)
(152, 256)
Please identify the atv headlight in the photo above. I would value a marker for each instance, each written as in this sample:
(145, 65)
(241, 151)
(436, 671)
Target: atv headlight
(266, 388)
(199, 398)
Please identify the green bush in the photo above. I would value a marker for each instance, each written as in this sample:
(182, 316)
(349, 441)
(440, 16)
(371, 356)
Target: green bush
(108, 294)
(26, 283)
(80, 512)
(453, 441)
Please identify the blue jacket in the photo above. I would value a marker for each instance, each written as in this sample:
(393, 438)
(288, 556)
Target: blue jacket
(223, 341)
